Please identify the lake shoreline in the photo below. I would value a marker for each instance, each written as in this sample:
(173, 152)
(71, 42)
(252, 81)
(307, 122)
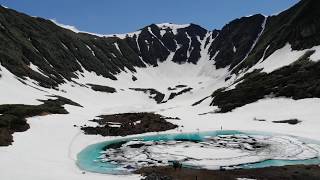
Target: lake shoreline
(307, 172)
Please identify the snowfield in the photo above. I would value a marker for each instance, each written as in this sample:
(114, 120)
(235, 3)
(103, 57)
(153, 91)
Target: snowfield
(49, 148)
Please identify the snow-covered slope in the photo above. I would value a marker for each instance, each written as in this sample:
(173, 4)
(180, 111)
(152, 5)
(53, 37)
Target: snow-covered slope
(51, 144)
(166, 57)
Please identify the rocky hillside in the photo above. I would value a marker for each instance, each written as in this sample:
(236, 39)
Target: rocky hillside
(38, 49)
(298, 26)
(41, 50)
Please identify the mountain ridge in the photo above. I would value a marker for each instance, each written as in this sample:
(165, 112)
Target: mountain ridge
(136, 51)
(256, 74)
(38, 49)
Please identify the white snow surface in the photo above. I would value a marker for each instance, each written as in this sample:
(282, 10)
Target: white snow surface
(92, 52)
(49, 148)
(36, 69)
(4, 6)
(173, 27)
(283, 57)
(70, 27)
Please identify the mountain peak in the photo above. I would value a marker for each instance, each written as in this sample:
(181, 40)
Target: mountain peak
(172, 26)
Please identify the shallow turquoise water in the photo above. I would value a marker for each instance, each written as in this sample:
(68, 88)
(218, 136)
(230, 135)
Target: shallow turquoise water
(87, 158)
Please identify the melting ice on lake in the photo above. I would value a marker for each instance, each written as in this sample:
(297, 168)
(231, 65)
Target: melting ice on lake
(209, 150)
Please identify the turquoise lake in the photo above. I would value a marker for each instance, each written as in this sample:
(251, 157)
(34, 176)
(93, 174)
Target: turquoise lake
(87, 159)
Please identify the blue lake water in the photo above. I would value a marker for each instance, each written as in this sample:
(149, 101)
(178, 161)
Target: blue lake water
(87, 159)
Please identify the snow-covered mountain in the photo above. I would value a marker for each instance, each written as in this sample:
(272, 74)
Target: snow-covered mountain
(256, 66)
(40, 50)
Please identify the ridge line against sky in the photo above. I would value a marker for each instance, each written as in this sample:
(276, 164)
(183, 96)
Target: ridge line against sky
(123, 16)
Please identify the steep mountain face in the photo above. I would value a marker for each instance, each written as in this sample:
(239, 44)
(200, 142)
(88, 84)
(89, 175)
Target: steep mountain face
(235, 40)
(31, 43)
(299, 26)
(154, 43)
(297, 81)
(38, 49)
(57, 53)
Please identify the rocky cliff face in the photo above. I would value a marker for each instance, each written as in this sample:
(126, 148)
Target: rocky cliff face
(235, 40)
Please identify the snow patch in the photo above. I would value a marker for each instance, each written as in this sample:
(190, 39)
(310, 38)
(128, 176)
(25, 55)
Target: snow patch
(92, 52)
(150, 31)
(189, 45)
(316, 55)
(4, 6)
(283, 57)
(64, 46)
(263, 25)
(117, 47)
(36, 69)
(173, 27)
(72, 28)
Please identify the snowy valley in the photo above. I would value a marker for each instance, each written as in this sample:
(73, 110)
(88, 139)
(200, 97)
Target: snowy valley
(252, 74)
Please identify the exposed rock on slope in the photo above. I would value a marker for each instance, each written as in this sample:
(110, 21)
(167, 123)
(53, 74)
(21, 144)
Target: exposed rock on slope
(298, 80)
(235, 40)
(13, 116)
(129, 123)
(101, 88)
(39, 49)
(299, 25)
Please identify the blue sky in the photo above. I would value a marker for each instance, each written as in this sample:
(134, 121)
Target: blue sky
(120, 16)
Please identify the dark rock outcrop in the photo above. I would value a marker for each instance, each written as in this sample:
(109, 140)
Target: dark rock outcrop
(153, 94)
(289, 121)
(299, 26)
(13, 116)
(235, 40)
(102, 88)
(298, 80)
(129, 123)
(173, 95)
(311, 172)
